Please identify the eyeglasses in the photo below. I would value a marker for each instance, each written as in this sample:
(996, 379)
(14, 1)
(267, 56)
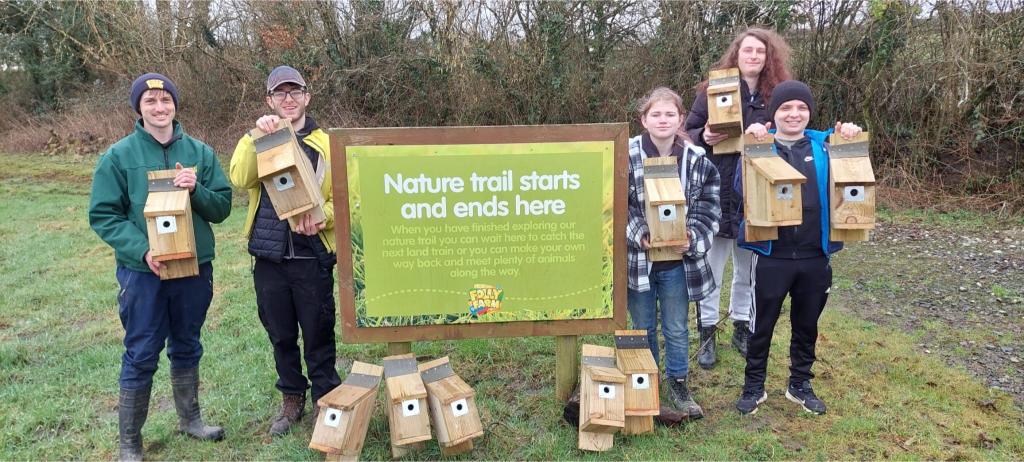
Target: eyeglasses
(279, 96)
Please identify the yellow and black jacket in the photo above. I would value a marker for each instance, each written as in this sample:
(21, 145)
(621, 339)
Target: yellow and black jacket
(242, 174)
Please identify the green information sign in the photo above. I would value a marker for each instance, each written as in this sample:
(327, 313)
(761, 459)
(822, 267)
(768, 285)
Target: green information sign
(480, 233)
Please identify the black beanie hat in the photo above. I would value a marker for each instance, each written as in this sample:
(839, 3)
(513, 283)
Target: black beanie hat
(151, 81)
(790, 90)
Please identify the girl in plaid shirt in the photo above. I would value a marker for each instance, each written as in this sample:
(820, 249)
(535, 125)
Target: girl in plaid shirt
(670, 284)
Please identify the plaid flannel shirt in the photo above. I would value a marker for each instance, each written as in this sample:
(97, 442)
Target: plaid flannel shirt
(702, 215)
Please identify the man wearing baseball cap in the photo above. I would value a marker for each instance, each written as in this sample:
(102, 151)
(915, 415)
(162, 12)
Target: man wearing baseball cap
(797, 263)
(293, 272)
(155, 312)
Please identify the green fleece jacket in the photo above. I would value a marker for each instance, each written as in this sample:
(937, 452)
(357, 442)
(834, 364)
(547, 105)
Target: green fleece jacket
(120, 188)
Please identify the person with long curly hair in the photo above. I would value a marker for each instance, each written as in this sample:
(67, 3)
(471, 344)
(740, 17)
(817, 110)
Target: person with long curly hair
(762, 57)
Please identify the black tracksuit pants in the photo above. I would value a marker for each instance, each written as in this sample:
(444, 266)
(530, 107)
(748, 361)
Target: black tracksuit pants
(807, 282)
(294, 295)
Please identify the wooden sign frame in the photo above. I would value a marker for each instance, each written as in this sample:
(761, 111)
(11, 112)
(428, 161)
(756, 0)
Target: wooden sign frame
(341, 138)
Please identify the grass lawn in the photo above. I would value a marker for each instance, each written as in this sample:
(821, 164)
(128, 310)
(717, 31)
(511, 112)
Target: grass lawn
(60, 348)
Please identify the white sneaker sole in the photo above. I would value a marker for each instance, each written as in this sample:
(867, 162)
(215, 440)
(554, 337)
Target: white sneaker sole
(800, 402)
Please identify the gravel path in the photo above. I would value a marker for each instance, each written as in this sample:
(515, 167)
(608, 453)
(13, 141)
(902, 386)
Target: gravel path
(959, 289)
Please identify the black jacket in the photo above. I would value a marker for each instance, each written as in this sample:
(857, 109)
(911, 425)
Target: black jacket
(803, 240)
(754, 111)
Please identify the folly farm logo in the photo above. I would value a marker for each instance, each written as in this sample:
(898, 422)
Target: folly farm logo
(484, 298)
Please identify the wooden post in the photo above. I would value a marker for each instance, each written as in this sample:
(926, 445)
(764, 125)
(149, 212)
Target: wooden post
(567, 366)
(399, 348)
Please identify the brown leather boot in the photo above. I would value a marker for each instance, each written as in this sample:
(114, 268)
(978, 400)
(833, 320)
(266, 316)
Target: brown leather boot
(292, 409)
(681, 399)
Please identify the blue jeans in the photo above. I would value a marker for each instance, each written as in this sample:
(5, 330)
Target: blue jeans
(668, 289)
(155, 312)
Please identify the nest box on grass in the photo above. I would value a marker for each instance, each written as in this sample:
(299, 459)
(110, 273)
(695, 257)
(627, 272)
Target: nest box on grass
(406, 405)
(453, 410)
(345, 412)
(602, 398)
(636, 362)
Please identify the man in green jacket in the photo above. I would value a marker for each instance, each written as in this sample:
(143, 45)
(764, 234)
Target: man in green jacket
(155, 312)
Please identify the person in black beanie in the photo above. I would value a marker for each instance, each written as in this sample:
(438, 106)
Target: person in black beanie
(293, 272)
(157, 313)
(796, 264)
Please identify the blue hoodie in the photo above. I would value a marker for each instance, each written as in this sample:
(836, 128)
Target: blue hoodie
(819, 149)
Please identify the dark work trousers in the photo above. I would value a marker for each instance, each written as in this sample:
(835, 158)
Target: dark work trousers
(154, 313)
(807, 282)
(292, 295)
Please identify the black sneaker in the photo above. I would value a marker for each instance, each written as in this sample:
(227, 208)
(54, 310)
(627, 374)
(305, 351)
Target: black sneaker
(802, 394)
(740, 336)
(681, 400)
(749, 400)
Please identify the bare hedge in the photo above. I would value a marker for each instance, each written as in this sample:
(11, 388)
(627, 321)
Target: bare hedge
(937, 82)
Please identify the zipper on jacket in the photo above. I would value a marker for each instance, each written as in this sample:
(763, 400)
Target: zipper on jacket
(291, 245)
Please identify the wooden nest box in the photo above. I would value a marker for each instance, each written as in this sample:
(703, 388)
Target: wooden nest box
(725, 109)
(168, 213)
(666, 207)
(851, 188)
(406, 404)
(771, 190)
(453, 410)
(345, 412)
(634, 359)
(287, 174)
(602, 398)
